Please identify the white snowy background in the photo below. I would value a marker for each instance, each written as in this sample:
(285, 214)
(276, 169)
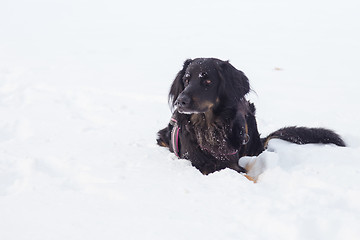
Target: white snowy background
(83, 91)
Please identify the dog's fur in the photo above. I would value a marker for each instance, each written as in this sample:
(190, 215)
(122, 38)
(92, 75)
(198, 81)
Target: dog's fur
(216, 123)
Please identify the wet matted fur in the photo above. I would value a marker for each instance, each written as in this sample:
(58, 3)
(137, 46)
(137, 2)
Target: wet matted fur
(213, 124)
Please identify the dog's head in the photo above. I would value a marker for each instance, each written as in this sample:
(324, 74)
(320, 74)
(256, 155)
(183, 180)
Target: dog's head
(206, 83)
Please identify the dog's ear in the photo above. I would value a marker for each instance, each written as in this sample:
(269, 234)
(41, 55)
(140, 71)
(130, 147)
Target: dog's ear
(235, 85)
(178, 86)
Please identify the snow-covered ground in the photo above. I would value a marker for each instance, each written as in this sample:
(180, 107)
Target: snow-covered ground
(83, 91)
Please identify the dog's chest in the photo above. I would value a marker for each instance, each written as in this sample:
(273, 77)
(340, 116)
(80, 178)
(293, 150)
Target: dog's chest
(214, 139)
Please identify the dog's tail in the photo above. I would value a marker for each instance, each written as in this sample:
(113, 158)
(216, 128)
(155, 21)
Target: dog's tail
(304, 135)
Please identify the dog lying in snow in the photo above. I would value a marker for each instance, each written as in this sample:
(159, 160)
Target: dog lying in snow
(213, 125)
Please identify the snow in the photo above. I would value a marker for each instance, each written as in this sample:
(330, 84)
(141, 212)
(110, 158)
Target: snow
(83, 91)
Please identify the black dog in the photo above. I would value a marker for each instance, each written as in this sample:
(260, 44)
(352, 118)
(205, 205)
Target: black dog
(213, 125)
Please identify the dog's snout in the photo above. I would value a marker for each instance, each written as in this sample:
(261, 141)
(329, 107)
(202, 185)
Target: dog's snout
(182, 101)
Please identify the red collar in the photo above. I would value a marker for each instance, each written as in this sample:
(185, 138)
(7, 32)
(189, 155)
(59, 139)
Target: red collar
(175, 137)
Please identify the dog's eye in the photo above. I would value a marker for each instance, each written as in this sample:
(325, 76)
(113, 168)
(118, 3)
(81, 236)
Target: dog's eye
(207, 82)
(186, 79)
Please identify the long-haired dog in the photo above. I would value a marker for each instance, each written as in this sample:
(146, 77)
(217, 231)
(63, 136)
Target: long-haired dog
(213, 125)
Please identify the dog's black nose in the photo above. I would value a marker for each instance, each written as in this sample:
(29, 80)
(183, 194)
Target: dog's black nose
(182, 101)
